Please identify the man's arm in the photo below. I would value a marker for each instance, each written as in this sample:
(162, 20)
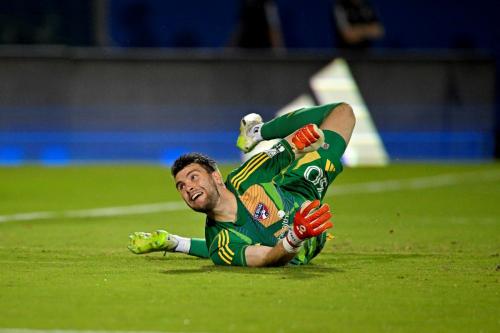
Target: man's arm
(266, 256)
(310, 221)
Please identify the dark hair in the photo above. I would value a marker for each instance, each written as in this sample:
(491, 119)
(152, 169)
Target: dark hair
(184, 160)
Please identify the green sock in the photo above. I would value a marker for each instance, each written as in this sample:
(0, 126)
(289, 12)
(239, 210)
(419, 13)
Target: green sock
(286, 124)
(198, 248)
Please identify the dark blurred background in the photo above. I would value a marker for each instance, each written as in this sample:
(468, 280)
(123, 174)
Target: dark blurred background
(145, 80)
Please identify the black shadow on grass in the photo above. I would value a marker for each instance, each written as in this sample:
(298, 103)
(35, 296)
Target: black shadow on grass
(173, 258)
(374, 257)
(287, 272)
(335, 263)
(313, 270)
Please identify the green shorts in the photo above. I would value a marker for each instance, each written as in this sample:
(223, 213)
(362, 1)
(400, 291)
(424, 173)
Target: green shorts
(310, 175)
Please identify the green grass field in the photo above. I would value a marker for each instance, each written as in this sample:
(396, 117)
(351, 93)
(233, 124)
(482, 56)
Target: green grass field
(416, 250)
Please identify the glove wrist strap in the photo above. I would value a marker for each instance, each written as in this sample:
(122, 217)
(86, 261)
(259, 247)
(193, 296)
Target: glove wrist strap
(291, 242)
(293, 238)
(183, 244)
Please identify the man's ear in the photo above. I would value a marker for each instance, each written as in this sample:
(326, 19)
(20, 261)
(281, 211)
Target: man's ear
(218, 177)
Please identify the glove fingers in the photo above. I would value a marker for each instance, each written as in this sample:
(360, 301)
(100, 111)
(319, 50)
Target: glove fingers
(311, 133)
(320, 220)
(322, 210)
(320, 229)
(298, 144)
(315, 129)
(303, 138)
(305, 211)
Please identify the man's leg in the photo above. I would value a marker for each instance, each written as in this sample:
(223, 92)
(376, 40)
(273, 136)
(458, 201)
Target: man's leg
(337, 117)
(253, 130)
(341, 121)
(310, 176)
(288, 123)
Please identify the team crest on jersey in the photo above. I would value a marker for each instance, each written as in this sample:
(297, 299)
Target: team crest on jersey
(261, 212)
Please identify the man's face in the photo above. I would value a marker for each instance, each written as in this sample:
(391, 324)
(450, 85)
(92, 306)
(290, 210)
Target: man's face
(197, 187)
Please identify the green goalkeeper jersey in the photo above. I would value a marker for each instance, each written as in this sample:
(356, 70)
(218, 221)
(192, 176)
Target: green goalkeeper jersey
(268, 195)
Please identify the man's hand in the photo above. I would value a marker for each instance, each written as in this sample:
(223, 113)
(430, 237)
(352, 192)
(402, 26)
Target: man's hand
(307, 224)
(310, 221)
(308, 138)
(145, 242)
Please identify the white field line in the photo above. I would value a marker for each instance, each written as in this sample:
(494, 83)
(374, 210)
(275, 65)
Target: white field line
(27, 330)
(97, 212)
(419, 183)
(442, 180)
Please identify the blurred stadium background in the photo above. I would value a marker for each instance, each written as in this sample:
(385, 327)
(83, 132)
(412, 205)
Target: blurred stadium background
(145, 80)
(135, 83)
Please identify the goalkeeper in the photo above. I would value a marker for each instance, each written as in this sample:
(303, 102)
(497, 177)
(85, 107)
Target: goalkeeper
(268, 212)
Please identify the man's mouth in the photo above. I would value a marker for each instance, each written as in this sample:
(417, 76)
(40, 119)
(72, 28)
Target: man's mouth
(196, 195)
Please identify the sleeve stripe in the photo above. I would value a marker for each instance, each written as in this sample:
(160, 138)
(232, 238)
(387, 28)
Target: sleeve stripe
(224, 254)
(226, 246)
(224, 240)
(237, 186)
(247, 167)
(221, 255)
(249, 162)
(224, 251)
(229, 250)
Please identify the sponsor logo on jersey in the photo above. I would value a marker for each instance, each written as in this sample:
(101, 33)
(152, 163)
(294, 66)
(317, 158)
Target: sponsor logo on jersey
(315, 175)
(275, 150)
(329, 166)
(261, 212)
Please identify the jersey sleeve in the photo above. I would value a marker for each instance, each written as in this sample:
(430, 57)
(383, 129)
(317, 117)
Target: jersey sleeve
(228, 249)
(262, 167)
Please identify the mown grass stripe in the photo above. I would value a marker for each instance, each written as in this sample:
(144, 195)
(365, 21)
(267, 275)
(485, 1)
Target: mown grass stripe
(411, 184)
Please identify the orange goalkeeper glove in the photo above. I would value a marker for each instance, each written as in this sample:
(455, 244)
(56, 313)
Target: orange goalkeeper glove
(310, 221)
(308, 138)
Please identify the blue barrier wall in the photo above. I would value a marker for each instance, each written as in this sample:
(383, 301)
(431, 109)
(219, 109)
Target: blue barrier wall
(59, 148)
(100, 105)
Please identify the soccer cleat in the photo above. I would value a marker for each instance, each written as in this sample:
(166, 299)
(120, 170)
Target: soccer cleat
(249, 132)
(145, 242)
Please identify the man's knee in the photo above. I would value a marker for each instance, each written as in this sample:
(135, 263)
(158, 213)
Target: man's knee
(341, 120)
(342, 113)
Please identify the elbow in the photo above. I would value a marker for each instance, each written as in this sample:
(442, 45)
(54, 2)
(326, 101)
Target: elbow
(265, 256)
(264, 262)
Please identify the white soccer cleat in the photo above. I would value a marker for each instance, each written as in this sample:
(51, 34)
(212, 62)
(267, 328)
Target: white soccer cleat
(249, 132)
